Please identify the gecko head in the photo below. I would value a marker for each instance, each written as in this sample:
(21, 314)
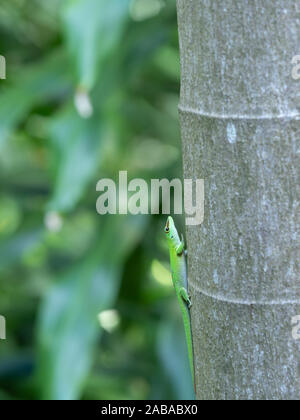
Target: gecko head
(169, 226)
(170, 230)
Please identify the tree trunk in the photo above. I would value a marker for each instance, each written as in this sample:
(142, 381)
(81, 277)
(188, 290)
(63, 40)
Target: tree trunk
(240, 121)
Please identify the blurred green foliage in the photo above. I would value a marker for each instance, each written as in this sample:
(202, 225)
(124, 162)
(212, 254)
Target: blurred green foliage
(92, 88)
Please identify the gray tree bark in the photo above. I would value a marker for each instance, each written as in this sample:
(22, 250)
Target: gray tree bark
(240, 121)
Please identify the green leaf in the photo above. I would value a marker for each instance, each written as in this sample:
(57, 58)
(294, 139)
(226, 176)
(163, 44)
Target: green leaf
(76, 146)
(13, 249)
(34, 84)
(68, 328)
(93, 29)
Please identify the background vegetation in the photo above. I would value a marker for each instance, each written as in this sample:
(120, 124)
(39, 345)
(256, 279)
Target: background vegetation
(88, 299)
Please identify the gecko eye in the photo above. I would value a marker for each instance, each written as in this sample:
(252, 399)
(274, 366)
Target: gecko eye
(167, 228)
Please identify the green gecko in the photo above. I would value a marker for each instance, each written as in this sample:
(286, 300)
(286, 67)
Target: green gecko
(180, 282)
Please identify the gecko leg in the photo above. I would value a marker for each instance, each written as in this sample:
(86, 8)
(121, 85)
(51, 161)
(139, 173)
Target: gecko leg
(185, 296)
(180, 248)
(185, 250)
(182, 240)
